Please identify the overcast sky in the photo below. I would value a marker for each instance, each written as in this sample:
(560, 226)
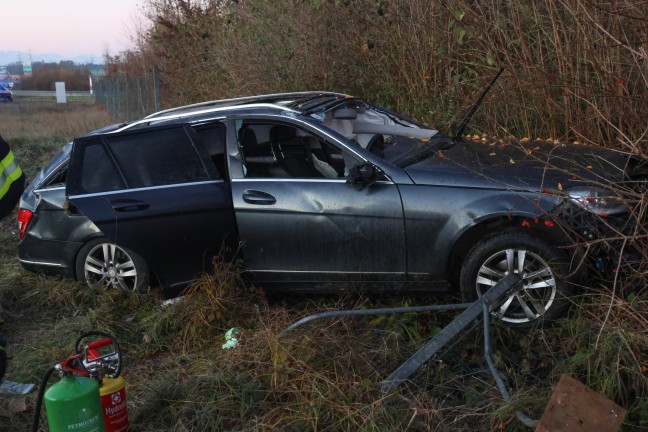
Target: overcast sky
(69, 27)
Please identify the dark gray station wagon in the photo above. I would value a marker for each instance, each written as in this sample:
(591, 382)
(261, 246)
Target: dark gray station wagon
(318, 189)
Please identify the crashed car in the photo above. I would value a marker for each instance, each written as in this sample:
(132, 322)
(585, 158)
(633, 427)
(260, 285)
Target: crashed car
(321, 190)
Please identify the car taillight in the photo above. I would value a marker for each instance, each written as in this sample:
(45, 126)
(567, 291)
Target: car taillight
(24, 216)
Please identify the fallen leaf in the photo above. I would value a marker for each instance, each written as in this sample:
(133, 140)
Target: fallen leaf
(511, 161)
(560, 187)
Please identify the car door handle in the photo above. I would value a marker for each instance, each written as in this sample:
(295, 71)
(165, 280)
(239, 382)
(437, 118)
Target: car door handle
(129, 205)
(257, 197)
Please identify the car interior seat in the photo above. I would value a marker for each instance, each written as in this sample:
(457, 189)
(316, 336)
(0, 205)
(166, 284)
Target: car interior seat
(292, 152)
(252, 154)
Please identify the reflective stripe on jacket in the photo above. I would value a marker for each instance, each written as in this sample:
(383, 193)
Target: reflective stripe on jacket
(9, 173)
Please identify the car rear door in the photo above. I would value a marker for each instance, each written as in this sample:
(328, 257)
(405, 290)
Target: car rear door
(156, 192)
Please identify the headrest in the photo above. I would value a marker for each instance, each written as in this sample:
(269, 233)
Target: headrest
(248, 138)
(282, 133)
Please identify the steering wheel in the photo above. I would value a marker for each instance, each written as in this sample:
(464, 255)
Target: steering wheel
(101, 353)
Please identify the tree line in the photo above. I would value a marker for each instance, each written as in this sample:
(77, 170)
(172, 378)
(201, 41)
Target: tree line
(45, 74)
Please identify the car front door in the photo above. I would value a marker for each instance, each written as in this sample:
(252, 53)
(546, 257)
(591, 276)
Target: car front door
(156, 192)
(298, 218)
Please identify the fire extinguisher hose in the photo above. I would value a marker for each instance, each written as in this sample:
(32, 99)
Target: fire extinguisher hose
(39, 398)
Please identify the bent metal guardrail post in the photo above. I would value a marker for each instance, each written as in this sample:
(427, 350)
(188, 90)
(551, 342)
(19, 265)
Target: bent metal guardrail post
(480, 309)
(493, 297)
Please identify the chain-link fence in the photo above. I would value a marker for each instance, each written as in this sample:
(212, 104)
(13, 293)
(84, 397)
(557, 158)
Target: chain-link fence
(129, 98)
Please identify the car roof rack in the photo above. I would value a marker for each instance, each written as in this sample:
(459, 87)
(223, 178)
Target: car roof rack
(274, 98)
(276, 101)
(147, 121)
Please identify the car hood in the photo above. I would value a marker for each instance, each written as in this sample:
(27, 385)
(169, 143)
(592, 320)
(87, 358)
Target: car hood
(533, 165)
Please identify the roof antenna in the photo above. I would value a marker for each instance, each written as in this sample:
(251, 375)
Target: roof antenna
(473, 109)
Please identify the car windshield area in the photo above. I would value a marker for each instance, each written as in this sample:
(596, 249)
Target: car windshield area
(388, 135)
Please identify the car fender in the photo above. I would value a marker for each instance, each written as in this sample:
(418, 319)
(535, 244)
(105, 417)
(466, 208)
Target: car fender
(436, 218)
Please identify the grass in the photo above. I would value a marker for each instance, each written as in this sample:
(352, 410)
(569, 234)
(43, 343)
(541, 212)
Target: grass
(323, 376)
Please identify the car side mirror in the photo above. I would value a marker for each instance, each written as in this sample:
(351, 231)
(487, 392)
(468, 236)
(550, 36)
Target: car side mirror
(365, 174)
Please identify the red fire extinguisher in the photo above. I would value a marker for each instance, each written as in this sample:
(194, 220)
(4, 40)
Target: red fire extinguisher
(91, 393)
(105, 355)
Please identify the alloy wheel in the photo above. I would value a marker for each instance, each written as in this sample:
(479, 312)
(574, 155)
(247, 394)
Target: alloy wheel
(533, 298)
(110, 266)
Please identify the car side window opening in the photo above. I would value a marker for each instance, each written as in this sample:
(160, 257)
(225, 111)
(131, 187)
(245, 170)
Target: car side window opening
(276, 150)
(156, 158)
(57, 179)
(212, 138)
(99, 173)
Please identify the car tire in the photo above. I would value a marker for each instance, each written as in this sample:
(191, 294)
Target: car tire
(101, 263)
(544, 293)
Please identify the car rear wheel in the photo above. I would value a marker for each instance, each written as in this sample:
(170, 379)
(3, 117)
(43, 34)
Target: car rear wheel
(101, 263)
(543, 293)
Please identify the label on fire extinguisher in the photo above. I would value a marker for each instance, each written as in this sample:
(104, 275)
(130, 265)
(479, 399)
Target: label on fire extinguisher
(115, 411)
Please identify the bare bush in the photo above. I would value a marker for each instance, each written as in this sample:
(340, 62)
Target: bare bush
(575, 69)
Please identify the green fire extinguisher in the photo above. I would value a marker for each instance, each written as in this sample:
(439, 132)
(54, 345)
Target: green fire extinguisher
(74, 403)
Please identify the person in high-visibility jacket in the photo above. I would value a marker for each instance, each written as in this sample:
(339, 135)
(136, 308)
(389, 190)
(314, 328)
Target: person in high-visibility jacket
(12, 180)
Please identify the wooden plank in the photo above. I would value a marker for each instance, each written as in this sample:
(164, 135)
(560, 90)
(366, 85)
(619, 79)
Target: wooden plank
(574, 407)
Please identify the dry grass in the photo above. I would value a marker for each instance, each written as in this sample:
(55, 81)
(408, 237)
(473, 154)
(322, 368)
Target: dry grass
(37, 129)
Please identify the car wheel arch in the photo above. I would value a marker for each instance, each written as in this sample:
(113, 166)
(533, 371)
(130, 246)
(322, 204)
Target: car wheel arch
(482, 230)
(545, 272)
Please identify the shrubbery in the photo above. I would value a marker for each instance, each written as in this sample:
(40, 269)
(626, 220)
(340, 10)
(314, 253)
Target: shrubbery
(574, 70)
(44, 76)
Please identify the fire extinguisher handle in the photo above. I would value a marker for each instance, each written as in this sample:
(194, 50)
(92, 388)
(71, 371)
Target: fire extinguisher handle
(91, 348)
(100, 343)
(70, 365)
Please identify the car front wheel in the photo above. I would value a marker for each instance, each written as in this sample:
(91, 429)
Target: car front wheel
(543, 293)
(101, 263)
